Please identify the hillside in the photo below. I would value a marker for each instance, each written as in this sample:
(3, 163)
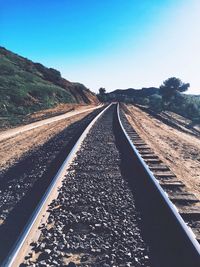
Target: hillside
(183, 104)
(26, 87)
(131, 94)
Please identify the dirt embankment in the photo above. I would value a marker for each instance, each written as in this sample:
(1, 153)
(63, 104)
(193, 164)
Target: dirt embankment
(12, 149)
(179, 150)
(48, 113)
(60, 109)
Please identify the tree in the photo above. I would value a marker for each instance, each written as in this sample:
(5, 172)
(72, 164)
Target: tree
(102, 91)
(171, 87)
(102, 94)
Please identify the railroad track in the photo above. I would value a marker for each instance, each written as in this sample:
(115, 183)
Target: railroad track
(106, 208)
(24, 183)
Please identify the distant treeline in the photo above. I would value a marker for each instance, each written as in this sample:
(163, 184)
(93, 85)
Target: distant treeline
(169, 96)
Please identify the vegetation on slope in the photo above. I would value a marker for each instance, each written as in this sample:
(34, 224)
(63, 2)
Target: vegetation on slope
(26, 87)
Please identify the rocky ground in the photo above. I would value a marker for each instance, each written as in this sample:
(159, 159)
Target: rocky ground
(177, 149)
(94, 220)
(28, 163)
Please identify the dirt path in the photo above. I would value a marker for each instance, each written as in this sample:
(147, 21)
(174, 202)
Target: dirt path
(180, 151)
(12, 132)
(12, 149)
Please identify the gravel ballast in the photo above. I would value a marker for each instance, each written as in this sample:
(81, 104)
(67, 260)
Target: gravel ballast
(22, 185)
(94, 220)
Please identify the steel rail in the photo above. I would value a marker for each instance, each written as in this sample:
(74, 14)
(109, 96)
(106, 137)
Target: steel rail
(15, 251)
(186, 229)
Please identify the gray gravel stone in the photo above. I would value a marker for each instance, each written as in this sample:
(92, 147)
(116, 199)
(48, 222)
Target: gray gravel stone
(96, 215)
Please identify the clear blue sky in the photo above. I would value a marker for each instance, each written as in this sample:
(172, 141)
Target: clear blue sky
(109, 43)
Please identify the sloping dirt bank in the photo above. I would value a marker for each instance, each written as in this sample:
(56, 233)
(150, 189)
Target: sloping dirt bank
(21, 120)
(58, 110)
(21, 129)
(12, 149)
(179, 150)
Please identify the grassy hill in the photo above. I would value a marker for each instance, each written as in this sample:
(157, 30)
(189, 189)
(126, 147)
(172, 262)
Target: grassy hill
(26, 87)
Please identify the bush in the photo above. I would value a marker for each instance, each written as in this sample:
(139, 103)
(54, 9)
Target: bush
(155, 102)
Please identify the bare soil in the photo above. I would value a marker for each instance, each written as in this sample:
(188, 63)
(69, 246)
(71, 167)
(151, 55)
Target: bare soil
(58, 110)
(177, 149)
(12, 149)
(44, 114)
